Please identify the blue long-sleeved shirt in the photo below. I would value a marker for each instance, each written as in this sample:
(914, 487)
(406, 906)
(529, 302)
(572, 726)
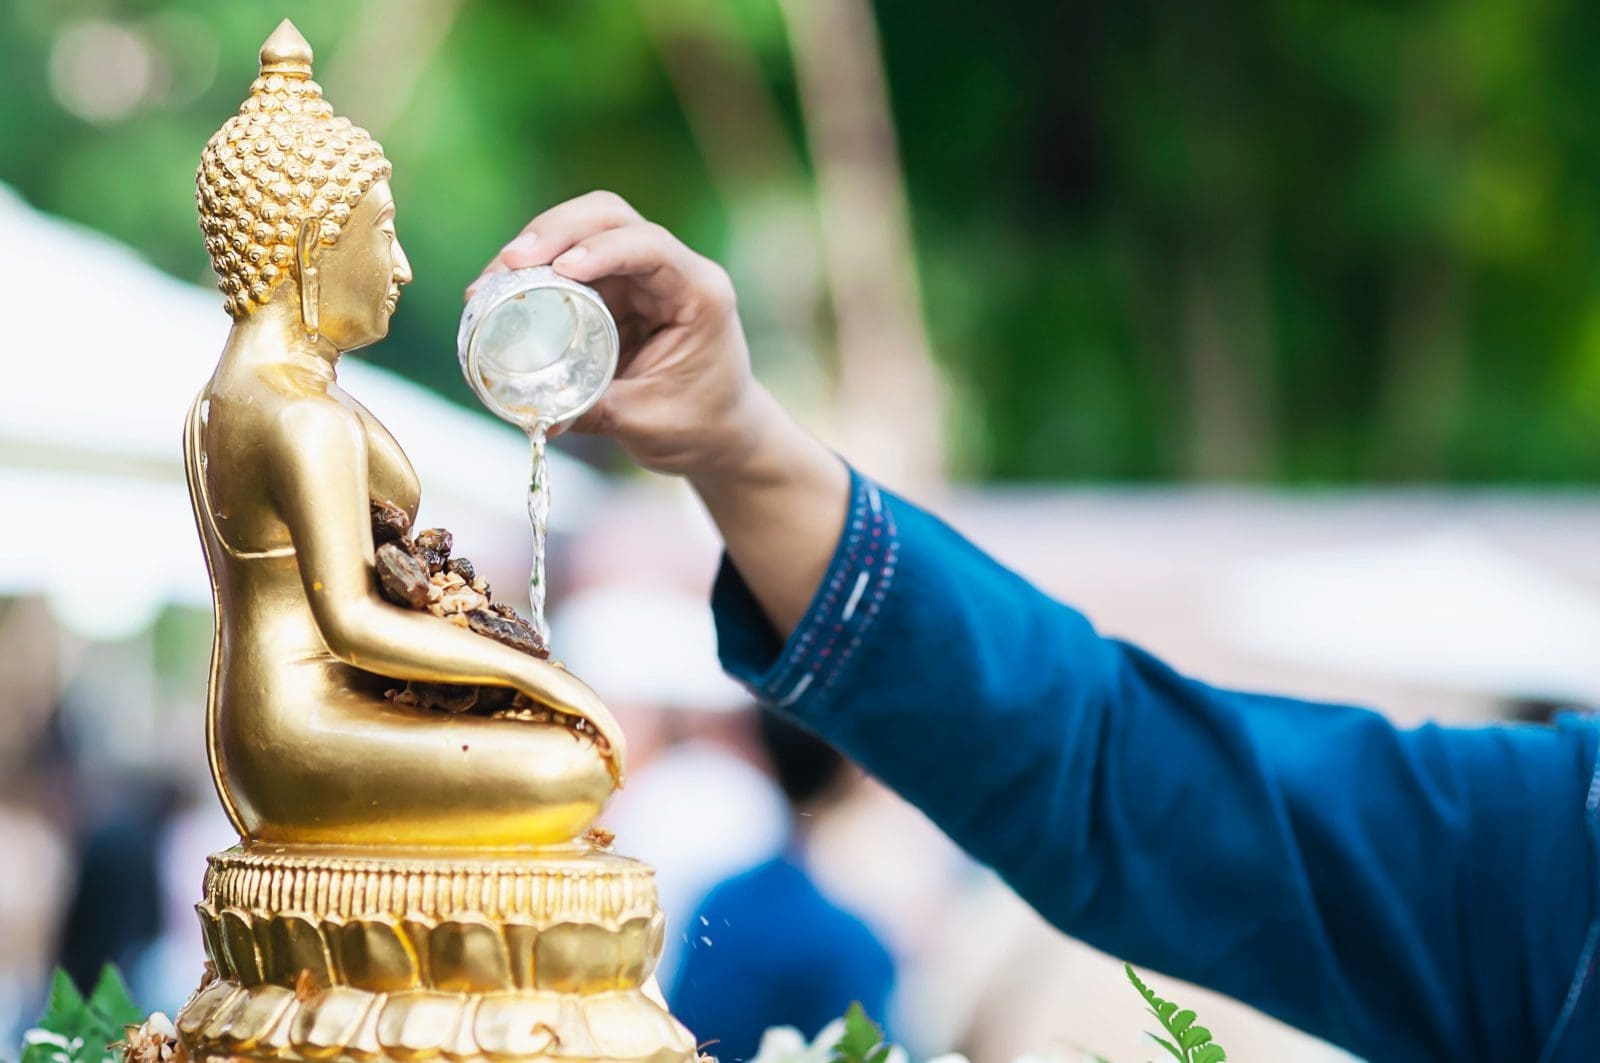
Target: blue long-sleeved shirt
(1408, 894)
(768, 948)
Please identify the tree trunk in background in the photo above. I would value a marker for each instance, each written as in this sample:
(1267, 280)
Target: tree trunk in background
(398, 38)
(1426, 370)
(889, 395)
(1227, 357)
(757, 172)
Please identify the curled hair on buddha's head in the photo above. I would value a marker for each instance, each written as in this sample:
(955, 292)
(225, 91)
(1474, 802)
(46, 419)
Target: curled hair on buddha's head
(280, 177)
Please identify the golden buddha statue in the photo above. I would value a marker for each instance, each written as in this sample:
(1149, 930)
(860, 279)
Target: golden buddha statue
(408, 883)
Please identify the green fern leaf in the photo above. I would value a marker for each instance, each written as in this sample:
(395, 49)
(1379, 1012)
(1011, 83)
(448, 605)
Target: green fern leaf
(1133, 977)
(1190, 1043)
(78, 1030)
(111, 1002)
(65, 1011)
(1170, 1047)
(862, 1041)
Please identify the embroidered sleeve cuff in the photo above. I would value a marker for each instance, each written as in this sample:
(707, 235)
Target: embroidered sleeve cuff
(800, 676)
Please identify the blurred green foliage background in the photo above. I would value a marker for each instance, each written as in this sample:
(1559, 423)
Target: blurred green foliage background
(1283, 241)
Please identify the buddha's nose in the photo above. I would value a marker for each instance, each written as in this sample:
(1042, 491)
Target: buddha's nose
(402, 266)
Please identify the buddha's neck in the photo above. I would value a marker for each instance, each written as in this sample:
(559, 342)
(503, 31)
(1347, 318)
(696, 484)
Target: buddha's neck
(275, 335)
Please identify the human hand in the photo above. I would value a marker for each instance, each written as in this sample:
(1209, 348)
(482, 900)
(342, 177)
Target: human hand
(684, 400)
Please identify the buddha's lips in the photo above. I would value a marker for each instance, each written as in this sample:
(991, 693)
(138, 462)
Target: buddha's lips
(393, 301)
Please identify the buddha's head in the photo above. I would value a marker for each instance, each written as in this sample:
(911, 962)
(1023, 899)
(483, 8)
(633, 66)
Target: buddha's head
(295, 203)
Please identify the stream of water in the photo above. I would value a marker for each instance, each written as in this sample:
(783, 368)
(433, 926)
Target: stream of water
(539, 518)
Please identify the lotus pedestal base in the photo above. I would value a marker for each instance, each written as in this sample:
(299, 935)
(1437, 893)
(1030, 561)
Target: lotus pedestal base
(331, 954)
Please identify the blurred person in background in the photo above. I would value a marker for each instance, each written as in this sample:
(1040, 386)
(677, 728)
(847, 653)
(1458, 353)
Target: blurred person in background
(117, 909)
(35, 873)
(768, 947)
(164, 976)
(720, 799)
(37, 814)
(1406, 894)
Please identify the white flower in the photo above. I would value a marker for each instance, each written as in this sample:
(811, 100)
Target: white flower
(155, 1041)
(785, 1044)
(65, 1049)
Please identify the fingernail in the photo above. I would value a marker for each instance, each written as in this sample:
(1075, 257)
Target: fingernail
(521, 247)
(570, 256)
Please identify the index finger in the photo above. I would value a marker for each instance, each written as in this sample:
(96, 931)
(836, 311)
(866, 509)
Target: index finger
(553, 231)
(659, 265)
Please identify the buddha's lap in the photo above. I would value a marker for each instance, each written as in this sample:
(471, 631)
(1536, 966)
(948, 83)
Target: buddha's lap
(344, 749)
(474, 792)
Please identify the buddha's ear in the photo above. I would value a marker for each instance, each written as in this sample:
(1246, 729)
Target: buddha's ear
(310, 284)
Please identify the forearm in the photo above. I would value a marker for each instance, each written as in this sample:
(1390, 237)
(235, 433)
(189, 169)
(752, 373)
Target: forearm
(779, 503)
(378, 637)
(1309, 859)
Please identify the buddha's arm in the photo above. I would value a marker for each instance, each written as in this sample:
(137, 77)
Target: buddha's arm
(319, 484)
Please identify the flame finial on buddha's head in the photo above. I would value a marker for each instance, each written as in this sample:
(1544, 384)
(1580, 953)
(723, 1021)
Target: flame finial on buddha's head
(280, 177)
(286, 52)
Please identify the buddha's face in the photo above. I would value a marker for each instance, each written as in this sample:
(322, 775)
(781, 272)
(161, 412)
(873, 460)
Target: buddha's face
(360, 275)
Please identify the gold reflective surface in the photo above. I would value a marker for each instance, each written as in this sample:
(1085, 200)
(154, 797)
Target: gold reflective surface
(282, 464)
(409, 883)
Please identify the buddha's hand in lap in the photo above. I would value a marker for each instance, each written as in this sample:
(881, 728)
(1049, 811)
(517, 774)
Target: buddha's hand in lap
(551, 685)
(684, 400)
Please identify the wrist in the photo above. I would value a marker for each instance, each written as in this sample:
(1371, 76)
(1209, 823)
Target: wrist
(764, 447)
(780, 502)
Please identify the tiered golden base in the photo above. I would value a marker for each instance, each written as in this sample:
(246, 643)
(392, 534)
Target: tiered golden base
(327, 954)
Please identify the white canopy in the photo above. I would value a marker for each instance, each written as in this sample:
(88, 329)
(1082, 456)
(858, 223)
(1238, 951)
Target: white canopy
(105, 354)
(1447, 609)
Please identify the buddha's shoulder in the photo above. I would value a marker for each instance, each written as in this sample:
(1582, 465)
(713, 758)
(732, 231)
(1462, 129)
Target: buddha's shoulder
(319, 420)
(286, 416)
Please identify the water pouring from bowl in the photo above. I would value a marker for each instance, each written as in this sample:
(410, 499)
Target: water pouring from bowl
(538, 350)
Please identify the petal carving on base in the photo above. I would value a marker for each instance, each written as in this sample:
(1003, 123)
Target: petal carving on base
(295, 945)
(374, 954)
(619, 1026)
(205, 1004)
(635, 960)
(328, 1022)
(253, 1017)
(521, 941)
(418, 1025)
(239, 945)
(563, 957)
(211, 933)
(625, 1032)
(468, 956)
(335, 956)
(513, 1026)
